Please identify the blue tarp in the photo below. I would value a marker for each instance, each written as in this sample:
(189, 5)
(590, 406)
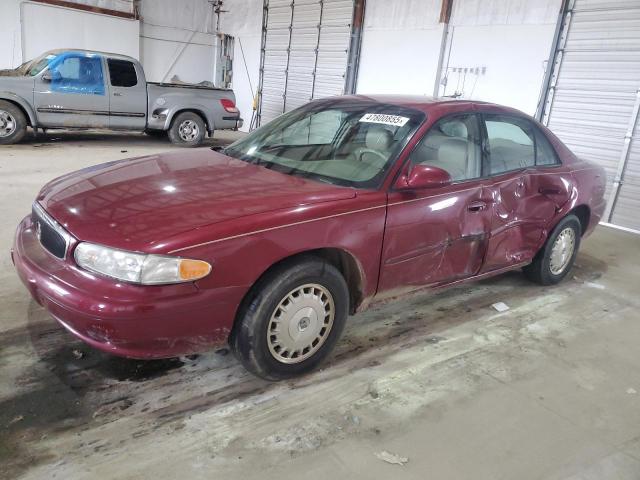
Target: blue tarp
(78, 73)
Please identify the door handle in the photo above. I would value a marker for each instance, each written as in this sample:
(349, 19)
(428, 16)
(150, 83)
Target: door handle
(549, 191)
(477, 206)
(117, 94)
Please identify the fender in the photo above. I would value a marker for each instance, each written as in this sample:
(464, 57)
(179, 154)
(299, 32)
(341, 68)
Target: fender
(12, 97)
(208, 119)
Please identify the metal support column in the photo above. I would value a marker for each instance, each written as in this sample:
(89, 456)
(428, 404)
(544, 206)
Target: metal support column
(355, 45)
(317, 49)
(555, 62)
(263, 46)
(286, 71)
(624, 156)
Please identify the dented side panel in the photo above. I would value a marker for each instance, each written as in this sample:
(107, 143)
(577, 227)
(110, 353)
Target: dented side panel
(431, 238)
(524, 203)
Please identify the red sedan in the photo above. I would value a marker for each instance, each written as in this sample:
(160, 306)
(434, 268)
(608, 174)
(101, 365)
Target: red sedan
(272, 242)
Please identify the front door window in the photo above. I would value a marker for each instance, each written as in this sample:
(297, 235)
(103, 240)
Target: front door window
(77, 74)
(452, 144)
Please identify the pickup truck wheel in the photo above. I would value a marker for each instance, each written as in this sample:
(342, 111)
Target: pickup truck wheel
(187, 130)
(554, 260)
(13, 123)
(292, 319)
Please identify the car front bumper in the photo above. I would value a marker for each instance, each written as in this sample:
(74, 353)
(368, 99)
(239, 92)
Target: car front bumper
(136, 321)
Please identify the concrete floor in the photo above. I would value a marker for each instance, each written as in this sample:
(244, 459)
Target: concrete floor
(547, 390)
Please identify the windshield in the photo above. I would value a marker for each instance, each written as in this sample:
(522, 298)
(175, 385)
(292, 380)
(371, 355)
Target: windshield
(35, 66)
(349, 142)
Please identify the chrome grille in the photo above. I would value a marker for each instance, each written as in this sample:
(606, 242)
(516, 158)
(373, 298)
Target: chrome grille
(51, 235)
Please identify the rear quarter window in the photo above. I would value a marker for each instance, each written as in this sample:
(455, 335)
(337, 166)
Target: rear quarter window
(545, 153)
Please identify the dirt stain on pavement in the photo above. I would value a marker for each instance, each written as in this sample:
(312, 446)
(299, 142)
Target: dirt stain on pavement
(64, 387)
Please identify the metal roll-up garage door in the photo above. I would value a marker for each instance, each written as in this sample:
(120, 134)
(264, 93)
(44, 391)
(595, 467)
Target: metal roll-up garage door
(594, 93)
(305, 53)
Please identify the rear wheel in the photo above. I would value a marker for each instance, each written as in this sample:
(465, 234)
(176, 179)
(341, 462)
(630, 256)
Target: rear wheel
(187, 130)
(13, 123)
(554, 261)
(292, 319)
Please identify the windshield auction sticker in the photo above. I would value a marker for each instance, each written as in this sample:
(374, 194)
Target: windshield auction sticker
(395, 120)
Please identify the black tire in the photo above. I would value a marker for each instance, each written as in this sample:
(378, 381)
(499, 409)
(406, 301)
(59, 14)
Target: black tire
(11, 115)
(156, 133)
(181, 120)
(250, 337)
(540, 270)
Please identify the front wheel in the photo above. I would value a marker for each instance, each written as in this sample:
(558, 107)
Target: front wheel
(13, 123)
(555, 259)
(292, 319)
(187, 130)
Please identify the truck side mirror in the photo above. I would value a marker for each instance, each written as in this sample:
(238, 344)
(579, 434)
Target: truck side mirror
(46, 77)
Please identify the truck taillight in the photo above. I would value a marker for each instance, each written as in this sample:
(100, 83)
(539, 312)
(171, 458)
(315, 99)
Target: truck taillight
(228, 105)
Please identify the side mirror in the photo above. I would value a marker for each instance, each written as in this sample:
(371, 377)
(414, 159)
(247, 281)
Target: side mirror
(424, 176)
(46, 77)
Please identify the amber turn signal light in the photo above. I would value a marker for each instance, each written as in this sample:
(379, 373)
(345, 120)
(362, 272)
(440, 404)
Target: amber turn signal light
(193, 269)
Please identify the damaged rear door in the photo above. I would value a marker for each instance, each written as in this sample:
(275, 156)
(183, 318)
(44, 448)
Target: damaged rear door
(527, 186)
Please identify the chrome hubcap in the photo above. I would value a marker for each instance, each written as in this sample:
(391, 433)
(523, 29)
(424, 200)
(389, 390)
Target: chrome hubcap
(7, 124)
(301, 323)
(562, 251)
(188, 130)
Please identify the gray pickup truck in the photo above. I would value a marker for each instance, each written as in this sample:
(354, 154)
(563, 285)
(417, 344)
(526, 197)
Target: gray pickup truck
(85, 89)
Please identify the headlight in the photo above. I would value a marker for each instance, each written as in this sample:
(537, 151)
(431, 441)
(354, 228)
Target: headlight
(138, 267)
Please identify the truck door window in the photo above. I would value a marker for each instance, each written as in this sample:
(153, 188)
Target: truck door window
(77, 74)
(122, 73)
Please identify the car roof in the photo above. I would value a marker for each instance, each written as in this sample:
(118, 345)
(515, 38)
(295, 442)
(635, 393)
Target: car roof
(426, 103)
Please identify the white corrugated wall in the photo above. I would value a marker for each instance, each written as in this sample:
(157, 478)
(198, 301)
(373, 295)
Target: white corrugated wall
(593, 97)
(305, 53)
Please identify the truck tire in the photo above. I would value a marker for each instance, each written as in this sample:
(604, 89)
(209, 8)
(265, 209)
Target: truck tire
(13, 123)
(554, 260)
(187, 130)
(292, 319)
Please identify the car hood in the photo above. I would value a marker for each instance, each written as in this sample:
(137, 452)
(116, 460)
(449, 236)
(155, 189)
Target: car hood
(10, 73)
(134, 204)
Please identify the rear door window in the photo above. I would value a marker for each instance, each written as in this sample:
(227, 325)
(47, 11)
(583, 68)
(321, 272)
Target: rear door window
(122, 73)
(515, 143)
(511, 144)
